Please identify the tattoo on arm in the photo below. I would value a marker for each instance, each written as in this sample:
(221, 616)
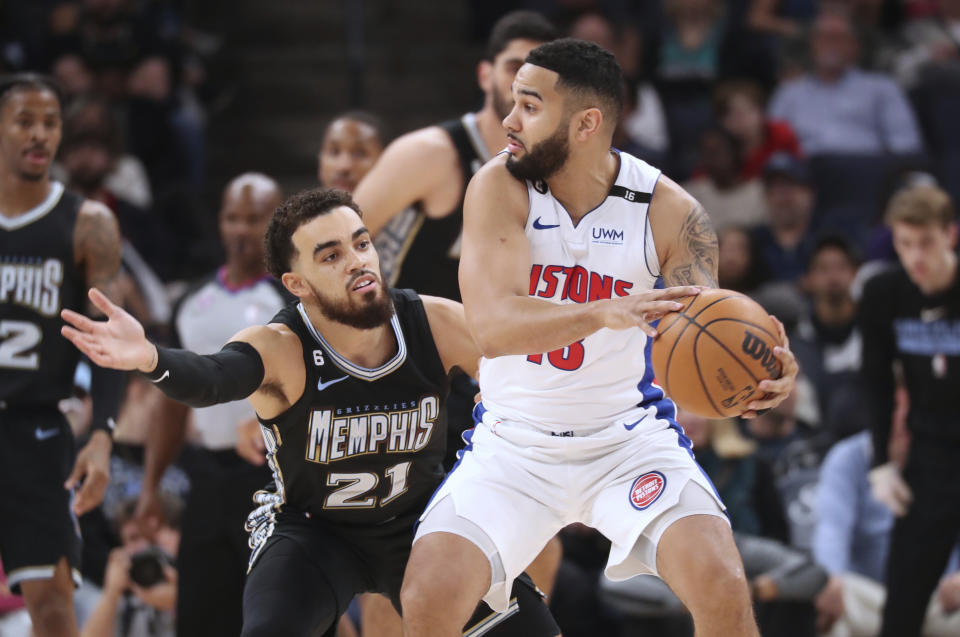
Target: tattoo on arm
(695, 262)
(97, 246)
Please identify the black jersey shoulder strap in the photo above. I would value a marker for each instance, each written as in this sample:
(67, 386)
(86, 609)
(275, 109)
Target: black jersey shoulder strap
(416, 329)
(465, 150)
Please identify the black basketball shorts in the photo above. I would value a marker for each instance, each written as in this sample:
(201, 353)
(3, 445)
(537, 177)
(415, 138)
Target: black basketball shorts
(37, 527)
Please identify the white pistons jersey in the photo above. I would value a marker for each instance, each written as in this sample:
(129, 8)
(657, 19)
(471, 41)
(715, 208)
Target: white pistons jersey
(606, 378)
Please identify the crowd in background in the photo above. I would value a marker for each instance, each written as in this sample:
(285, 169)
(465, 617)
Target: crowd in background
(793, 122)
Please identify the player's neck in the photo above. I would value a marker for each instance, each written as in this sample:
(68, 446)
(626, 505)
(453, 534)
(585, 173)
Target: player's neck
(365, 348)
(18, 195)
(491, 130)
(585, 181)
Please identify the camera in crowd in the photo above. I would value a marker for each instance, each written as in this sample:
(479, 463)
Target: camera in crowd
(146, 566)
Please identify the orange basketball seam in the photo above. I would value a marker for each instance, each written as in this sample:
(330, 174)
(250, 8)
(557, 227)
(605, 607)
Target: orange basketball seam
(683, 313)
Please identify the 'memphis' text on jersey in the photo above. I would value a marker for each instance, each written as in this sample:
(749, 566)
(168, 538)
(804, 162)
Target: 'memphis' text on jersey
(32, 283)
(347, 432)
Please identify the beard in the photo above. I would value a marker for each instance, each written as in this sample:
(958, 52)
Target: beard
(502, 105)
(375, 308)
(543, 160)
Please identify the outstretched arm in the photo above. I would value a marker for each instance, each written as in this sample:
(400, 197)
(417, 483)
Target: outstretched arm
(237, 371)
(495, 277)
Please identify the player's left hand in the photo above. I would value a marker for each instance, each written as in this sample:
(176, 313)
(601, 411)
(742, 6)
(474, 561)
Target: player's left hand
(93, 469)
(776, 391)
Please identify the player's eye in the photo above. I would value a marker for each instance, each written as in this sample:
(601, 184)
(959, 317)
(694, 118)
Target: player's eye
(363, 244)
(330, 258)
(530, 108)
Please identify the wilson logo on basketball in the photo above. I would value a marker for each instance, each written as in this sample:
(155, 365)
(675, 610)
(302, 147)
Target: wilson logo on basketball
(647, 489)
(754, 347)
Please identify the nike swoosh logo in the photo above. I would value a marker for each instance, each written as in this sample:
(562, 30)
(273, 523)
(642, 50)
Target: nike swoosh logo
(166, 374)
(44, 434)
(631, 426)
(323, 385)
(540, 226)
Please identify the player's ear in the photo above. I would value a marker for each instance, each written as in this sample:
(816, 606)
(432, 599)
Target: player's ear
(485, 75)
(589, 122)
(952, 234)
(295, 285)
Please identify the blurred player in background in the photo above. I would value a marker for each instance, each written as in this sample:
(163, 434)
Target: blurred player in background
(53, 245)
(911, 315)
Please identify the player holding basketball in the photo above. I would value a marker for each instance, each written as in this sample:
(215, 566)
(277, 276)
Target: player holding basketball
(53, 244)
(564, 241)
(349, 386)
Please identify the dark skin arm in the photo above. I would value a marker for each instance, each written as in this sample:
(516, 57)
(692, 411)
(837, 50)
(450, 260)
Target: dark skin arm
(97, 252)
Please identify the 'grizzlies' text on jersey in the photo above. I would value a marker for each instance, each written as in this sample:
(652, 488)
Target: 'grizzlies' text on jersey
(38, 278)
(606, 377)
(362, 445)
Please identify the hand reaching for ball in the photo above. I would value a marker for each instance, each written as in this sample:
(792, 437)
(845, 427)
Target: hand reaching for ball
(777, 390)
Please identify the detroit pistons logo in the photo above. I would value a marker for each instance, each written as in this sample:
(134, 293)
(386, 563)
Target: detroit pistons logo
(647, 489)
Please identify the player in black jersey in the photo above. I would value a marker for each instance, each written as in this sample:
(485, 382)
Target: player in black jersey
(350, 386)
(53, 245)
(912, 315)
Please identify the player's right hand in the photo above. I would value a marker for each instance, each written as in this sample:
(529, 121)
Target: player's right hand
(889, 488)
(640, 310)
(117, 343)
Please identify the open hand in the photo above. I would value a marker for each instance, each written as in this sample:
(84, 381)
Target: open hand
(117, 343)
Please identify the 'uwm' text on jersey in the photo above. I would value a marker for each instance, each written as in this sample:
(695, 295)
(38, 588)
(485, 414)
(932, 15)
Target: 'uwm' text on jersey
(605, 378)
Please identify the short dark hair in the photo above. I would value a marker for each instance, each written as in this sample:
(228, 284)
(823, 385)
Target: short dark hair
(293, 213)
(832, 241)
(585, 68)
(518, 25)
(30, 82)
(364, 117)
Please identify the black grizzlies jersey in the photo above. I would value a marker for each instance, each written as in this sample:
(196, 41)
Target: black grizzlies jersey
(38, 278)
(362, 446)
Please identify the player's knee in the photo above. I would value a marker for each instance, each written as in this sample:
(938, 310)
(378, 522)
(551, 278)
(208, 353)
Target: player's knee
(722, 587)
(51, 611)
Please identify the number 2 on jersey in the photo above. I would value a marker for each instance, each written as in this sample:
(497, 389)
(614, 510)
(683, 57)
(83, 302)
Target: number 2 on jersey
(17, 338)
(566, 358)
(354, 494)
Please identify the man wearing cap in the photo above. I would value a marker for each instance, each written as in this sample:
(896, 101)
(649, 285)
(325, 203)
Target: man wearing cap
(784, 244)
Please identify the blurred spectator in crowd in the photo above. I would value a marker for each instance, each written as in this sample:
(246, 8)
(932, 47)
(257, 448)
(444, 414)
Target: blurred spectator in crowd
(643, 121)
(140, 586)
(785, 18)
(739, 107)
(932, 41)
(89, 157)
(725, 194)
(744, 481)
(826, 340)
(351, 144)
(841, 109)
(738, 263)
(128, 178)
(686, 63)
(784, 244)
(795, 450)
(133, 55)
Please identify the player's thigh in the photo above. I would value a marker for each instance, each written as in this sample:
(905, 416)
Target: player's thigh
(697, 558)
(297, 589)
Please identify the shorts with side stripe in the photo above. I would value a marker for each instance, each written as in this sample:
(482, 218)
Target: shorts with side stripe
(37, 527)
(516, 486)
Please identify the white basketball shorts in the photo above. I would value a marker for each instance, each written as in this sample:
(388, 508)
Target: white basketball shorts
(516, 486)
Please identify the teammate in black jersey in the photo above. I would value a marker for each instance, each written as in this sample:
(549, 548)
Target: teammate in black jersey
(912, 315)
(349, 386)
(53, 245)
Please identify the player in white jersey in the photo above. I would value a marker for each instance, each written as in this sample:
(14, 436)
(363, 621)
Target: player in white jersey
(565, 245)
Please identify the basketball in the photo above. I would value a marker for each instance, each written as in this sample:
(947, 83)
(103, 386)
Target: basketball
(710, 356)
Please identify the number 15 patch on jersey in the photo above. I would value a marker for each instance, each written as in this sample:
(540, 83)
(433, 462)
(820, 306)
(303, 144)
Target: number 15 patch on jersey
(647, 489)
